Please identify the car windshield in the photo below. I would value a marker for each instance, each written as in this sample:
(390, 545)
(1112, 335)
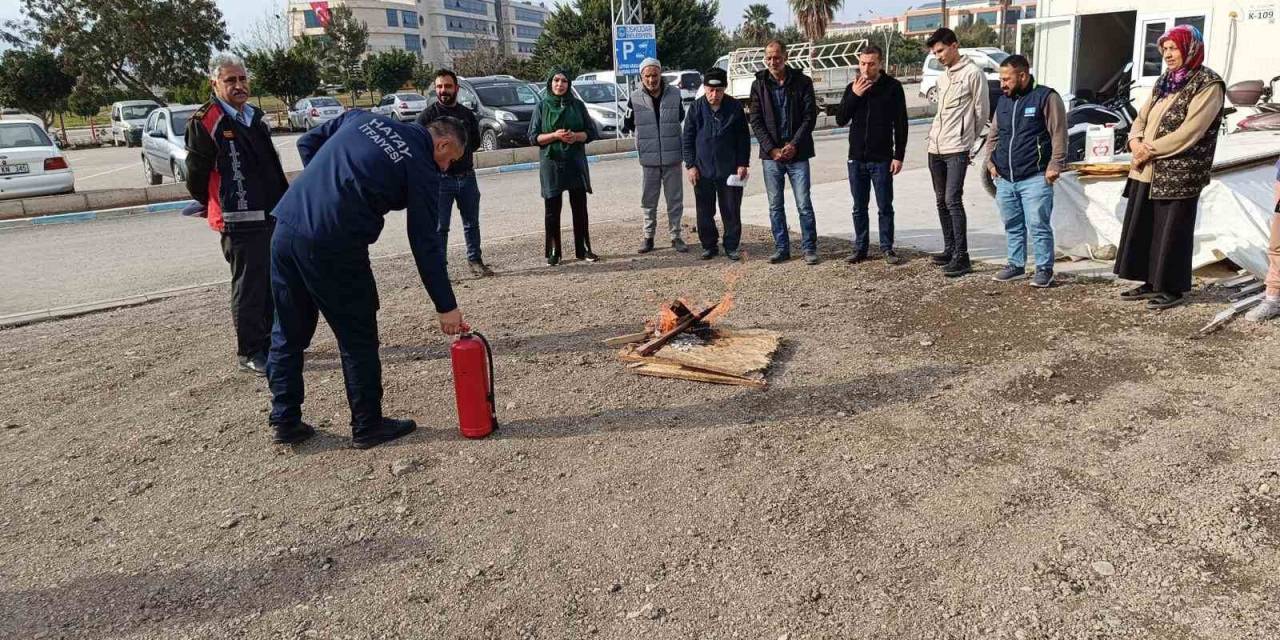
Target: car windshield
(506, 95)
(413, 97)
(180, 121)
(137, 112)
(327, 102)
(13, 136)
(997, 56)
(690, 81)
(597, 92)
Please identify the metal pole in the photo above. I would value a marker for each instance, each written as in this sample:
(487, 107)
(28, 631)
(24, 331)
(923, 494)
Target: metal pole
(624, 12)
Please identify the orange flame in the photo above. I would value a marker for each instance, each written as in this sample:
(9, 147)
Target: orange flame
(667, 319)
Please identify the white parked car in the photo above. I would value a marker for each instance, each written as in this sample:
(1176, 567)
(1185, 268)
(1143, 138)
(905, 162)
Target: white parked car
(30, 164)
(127, 120)
(164, 143)
(601, 76)
(606, 104)
(987, 58)
(313, 112)
(401, 106)
(688, 82)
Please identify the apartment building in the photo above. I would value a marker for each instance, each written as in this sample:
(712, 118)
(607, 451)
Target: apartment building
(437, 30)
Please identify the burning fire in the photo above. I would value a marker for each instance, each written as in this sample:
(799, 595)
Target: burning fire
(668, 318)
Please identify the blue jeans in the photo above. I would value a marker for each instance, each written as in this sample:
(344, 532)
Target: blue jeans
(775, 175)
(466, 192)
(862, 177)
(1027, 203)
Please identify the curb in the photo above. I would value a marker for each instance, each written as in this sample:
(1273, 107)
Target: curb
(88, 216)
(61, 313)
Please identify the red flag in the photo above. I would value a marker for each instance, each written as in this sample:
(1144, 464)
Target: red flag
(322, 12)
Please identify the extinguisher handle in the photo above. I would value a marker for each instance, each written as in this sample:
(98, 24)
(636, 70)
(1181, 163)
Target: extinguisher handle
(466, 328)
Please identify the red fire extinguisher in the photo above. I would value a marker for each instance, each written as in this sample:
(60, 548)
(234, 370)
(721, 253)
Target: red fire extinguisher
(473, 384)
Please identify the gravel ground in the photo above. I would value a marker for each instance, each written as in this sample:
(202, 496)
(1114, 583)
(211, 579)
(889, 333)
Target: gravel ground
(933, 459)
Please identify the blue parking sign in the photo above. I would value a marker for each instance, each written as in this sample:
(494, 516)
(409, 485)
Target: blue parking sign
(632, 43)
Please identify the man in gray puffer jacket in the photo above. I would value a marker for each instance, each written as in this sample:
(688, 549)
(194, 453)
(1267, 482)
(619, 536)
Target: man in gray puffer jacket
(654, 113)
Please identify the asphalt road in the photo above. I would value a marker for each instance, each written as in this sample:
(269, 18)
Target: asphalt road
(55, 266)
(121, 167)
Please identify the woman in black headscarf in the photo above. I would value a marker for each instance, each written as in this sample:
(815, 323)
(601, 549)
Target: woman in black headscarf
(561, 127)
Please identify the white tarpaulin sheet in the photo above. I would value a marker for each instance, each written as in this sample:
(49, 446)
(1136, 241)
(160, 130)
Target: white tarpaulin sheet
(1234, 219)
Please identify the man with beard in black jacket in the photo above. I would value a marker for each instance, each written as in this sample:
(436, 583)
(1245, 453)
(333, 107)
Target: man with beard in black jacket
(875, 109)
(459, 182)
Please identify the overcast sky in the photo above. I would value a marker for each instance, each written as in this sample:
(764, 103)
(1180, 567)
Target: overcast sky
(242, 14)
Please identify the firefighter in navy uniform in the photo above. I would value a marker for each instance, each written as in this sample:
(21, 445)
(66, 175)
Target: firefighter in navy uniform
(358, 167)
(234, 173)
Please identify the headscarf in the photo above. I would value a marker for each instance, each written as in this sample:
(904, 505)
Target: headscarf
(1189, 41)
(558, 112)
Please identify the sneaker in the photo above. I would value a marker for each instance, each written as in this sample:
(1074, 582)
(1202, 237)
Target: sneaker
(893, 258)
(959, 266)
(479, 269)
(708, 254)
(1010, 273)
(940, 259)
(679, 246)
(390, 429)
(779, 257)
(291, 433)
(590, 257)
(553, 260)
(856, 257)
(1266, 310)
(1043, 278)
(733, 255)
(646, 246)
(811, 259)
(255, 364)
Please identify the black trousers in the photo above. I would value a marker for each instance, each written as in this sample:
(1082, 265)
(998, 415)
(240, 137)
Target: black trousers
(337, 281)
(1157, 240)
(948, 171)
(248, 251)
(707, 193)
(581, 233)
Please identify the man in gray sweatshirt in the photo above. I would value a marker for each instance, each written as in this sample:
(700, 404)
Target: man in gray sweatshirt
(964, 105)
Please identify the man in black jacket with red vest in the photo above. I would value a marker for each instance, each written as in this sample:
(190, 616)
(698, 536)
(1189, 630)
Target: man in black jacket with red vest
(875, 108)
(233, 170)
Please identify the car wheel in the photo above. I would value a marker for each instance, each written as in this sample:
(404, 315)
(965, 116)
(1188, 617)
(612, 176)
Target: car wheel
(489, 141)
(179, 172)
(932, 95)
(152, 177)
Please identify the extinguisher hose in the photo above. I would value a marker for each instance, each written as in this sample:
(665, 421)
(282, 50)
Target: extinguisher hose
(493, 402)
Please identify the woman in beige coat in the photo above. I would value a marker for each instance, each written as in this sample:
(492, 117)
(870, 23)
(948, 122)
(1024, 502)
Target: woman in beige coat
(1173, 141)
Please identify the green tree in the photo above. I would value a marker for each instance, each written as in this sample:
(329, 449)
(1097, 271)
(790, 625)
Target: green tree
(424, 77)
(757, 27)
(815, 15)
(347, 39)
(138, 44)
(193, 90)
(1028, 40)
(87, 101)
(977, 34)
(576, 36)
(389, 70)
(484, 60)
(287, 74)
(35, 81)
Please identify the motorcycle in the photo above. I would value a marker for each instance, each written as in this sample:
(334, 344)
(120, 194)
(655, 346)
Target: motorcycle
(1251, 101)
(1110, 105)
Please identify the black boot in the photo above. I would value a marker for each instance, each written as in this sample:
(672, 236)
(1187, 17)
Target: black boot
(291, 433)
(390, 429)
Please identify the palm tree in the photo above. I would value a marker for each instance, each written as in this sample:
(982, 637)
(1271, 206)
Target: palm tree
(815, 15)
(756, 27)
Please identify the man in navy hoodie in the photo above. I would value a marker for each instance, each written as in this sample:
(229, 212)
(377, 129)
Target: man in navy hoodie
(357, 168)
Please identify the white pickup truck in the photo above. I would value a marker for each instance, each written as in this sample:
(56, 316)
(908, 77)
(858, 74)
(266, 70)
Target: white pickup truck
(832, 67)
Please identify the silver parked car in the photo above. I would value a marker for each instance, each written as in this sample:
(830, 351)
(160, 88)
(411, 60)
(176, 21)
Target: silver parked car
(313, 112)
(164, 143)
(401, 106)
(606, 104)
(127, 119)
(30, 164)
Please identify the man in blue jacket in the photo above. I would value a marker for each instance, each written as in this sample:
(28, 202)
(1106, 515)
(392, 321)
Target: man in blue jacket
(357, 168)
(717, 146)
(1028, 143)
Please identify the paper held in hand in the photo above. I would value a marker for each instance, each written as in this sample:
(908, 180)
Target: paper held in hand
(735, 181)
